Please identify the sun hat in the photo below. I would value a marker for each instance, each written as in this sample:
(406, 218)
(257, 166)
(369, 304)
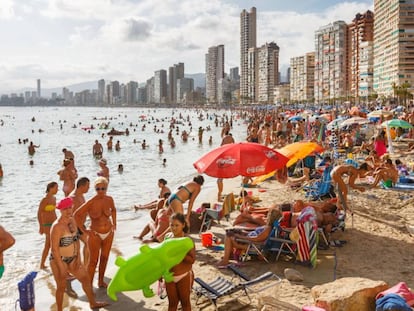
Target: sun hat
(64, 204)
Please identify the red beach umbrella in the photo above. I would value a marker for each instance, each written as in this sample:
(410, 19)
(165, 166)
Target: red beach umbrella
(240, 159)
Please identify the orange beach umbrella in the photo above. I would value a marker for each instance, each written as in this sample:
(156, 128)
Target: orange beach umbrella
(299, 150)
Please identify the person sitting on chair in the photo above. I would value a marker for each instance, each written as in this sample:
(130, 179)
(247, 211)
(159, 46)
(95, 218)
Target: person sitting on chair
(260, 234)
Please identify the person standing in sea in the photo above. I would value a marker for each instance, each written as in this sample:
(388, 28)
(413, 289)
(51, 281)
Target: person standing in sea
(46, 215)
(68, 174)
(104, 172)
(97, 149)
(32, 148)
(227, 139)
(102, 213)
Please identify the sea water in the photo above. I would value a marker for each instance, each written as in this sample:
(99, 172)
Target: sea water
(55, 128)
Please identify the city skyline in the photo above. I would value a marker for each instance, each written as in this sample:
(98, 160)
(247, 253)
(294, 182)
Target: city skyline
(64, 42)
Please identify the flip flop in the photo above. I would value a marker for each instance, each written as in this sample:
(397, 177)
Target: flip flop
(335, 243)
(222, 266)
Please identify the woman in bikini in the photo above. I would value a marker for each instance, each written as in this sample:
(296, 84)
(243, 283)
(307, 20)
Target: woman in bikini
(352, 173)
(46, 215)
(189, 191)
(158, 227)
(68, 174)
(102, 213)
(179, 290)
(65, 258)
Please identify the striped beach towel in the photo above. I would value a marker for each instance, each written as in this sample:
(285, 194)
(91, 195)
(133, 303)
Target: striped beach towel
(308, 236)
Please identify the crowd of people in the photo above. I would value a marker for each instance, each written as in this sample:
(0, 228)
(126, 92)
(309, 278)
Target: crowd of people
(170, 218)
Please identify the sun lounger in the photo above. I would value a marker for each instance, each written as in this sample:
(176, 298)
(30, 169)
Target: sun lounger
(222, 287)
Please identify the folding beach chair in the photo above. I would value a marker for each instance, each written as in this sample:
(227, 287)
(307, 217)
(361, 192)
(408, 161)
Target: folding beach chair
(280, 243)
(222, 287)
(322, 188)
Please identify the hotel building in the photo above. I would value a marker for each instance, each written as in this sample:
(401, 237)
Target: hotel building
(247, 41)
(268, 72)
(393, 45)
(331, 62)
(214, 71)
(302, 78)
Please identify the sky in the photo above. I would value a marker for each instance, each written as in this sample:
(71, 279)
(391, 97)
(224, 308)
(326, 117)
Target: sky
(63, 42)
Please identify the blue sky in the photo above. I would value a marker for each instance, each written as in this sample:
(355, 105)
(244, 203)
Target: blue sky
(69, 41)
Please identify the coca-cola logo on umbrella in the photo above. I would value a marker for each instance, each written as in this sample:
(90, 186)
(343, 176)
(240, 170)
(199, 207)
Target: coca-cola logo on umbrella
(255, 169)
(225, 162)
(270, 154)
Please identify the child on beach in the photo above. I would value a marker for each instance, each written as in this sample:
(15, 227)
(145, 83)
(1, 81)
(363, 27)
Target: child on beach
(179, 290)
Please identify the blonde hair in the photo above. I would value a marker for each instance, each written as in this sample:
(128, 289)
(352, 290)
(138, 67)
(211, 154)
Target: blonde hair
(101, 180)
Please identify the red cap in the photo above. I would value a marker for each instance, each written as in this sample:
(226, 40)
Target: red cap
(65, 203)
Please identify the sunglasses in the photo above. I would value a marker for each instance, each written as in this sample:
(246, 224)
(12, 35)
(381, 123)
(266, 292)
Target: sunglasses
(100, 189)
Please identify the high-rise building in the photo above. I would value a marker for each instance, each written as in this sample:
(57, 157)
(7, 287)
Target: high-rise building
(360, 30)
(160, 86)
(150, 90)
(330, 62)
(214, 71)
(247, 41)
(234, 74)
(174, 73)
(366, 70)
(131, 92)
(39, 94)
(393, 45)
(302, 78)
(101, 91)
(184, 86)
(268, 72)
(252, 77)
(114, 93)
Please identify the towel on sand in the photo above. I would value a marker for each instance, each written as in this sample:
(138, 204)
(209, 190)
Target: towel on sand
(392, 302)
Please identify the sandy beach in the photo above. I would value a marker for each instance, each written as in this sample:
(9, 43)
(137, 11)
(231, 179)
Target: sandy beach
(379, 247)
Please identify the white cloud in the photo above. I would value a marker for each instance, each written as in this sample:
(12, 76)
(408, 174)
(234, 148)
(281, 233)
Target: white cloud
(130, 39)
(6, 9)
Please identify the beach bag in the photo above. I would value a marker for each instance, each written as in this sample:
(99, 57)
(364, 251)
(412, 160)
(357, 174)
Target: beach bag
(26, 292)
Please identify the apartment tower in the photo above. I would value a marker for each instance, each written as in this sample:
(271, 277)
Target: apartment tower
(393, 45)
(160, 86)
(330, 62)
(302, 78)
(247, 41)
(214, 71)
(360, 30)
(174, 73)
(268, 72)
(38, 89)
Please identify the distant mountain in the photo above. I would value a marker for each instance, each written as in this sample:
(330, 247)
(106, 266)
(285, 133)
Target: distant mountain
(199, 79)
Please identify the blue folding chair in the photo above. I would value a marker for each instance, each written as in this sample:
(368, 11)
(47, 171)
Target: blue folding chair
(322, 188)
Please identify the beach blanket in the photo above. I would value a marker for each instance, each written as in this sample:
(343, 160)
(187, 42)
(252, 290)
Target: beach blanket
(308, 236)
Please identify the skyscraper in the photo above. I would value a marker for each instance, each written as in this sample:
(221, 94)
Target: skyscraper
(302, 77)
(360, 30)
(214, 71)
(393, 45)
(247, 41)
(174, 73)
(38, 89)
(160, 86)
(268, 72)
(330, 61)
(101, 91)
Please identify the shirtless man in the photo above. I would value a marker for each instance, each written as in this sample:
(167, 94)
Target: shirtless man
(32, 148)
(388, 172)
(102, 213)
(68, 155)
(77, 196)
(97, 149)
(109, 143)
(227, 139)
(353, 173)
